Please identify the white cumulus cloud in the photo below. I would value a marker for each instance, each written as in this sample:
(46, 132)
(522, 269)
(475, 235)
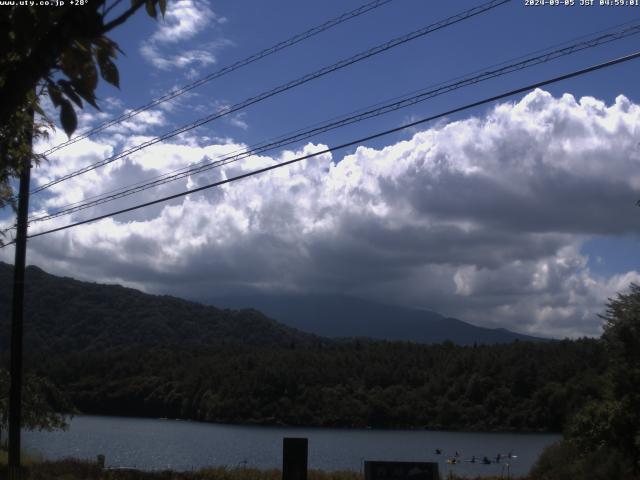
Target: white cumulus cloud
(482, 218)
(184, 20)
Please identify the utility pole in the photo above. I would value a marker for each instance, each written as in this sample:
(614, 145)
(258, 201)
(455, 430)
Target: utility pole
(15, 389)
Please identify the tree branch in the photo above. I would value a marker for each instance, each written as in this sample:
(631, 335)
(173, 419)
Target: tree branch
(111, 7)
(122, 18)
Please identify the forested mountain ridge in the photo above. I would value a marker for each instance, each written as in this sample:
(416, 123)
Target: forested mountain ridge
(67, 315)
(63, 314)
(341, 316)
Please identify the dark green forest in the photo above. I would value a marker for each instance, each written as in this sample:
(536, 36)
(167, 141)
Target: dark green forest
(113, 350)
(522, 386)
(64, 315)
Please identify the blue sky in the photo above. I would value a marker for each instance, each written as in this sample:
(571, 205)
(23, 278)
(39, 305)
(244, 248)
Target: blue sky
(519, 216)
(507, 32)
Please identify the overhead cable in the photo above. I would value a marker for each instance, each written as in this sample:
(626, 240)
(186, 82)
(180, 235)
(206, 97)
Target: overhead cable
(358, 141)
(284, 87)
(380, 109)
(224, 70)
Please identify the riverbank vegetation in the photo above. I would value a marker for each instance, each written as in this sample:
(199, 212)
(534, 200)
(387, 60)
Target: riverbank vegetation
(602, 441)
(72, 469)
(41, 403)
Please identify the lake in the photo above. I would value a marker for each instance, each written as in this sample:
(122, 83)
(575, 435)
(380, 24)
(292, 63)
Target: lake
(152, 444)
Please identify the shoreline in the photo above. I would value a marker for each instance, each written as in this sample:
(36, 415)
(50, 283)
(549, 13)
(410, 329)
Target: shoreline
(155, 445)
(321, 427)
(77, 469)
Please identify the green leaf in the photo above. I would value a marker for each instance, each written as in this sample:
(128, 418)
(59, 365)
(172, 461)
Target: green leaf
(88, 95)
(89, 75)
(54, 95)
(38, 109)
(22, 23)
(67, 88)
(150, 5)
(83, 45)
(107, 45)
(68, 117)
(70, 63)
(163, 6)
(108, 69)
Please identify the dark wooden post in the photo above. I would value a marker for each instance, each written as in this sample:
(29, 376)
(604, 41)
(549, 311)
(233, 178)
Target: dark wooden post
(294, 458)
(15, 389)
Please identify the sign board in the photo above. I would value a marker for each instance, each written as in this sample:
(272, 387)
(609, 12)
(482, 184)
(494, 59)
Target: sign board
(377, 470)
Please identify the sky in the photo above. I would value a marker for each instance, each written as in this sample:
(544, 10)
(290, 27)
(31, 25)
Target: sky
(518, 214)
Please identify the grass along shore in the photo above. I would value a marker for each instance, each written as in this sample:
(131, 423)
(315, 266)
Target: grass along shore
(73, 469)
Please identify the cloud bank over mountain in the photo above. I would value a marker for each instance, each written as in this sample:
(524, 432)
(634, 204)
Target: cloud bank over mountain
(482, 218)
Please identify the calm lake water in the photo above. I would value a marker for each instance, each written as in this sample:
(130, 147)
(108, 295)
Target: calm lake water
(181, 445)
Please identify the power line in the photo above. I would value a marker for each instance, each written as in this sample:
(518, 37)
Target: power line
(361, 115)
(228, 69)
(284, 87)
(351, 143)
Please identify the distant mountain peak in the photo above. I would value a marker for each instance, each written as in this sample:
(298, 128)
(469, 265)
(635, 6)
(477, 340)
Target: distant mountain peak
(69, 314)
(341, 316)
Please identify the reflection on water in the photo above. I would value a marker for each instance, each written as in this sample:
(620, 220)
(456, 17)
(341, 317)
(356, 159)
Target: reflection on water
(182, 445)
